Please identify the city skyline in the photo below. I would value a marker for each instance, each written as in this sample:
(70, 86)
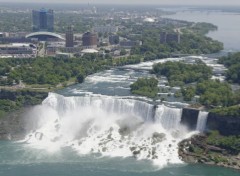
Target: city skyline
(167, 2)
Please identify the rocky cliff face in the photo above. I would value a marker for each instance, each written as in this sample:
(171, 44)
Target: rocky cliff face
(226, 125)
(189, 118)
(197, 150)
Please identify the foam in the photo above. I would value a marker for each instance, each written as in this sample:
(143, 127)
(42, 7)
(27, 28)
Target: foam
(108, 126)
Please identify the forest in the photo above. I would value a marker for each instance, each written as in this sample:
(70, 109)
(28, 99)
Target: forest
(180, 73)
(53, 71)
(146, 87)
(232, 62)
(192, 41)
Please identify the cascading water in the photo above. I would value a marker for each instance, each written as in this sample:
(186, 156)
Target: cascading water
(107, 104)
(169, 118)
(109, 126)
(202, 120)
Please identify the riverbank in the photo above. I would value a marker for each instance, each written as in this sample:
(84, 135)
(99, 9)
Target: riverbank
(197, 150)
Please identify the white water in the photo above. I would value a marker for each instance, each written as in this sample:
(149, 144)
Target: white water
(108, 126)
(202, 120)
(169, 118)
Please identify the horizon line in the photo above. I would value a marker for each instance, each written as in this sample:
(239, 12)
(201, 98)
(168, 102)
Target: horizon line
(136, 4)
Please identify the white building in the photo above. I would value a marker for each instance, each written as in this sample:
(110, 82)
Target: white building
(89, 51)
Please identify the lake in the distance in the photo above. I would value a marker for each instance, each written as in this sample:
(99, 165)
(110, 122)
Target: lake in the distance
(228, 25)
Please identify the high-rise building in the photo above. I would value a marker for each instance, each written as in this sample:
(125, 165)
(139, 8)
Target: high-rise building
(89, 40)
(169, 37)
(43, 20)
(69, 37)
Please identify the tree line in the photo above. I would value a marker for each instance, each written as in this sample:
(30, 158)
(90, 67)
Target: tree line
(54, 71)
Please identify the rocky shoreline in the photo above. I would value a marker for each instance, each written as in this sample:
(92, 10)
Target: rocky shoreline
(197, 150)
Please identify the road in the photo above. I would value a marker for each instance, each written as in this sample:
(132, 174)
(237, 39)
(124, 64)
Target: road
(42, 49)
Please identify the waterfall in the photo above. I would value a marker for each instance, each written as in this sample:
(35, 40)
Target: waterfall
(108, 126)
(202, 120)
(108, 104)
(169, 118)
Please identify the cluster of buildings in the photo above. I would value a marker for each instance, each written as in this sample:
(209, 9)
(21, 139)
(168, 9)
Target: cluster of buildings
(44, 42)
(18, 50)
(48, 43)
(24, 45)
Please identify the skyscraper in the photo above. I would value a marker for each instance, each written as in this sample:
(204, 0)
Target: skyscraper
(43, 20)
(69, 37)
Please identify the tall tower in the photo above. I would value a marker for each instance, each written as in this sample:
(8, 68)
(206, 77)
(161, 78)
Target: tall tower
(43, 20)
(69, 37)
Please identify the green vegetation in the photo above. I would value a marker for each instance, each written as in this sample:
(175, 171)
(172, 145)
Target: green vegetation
(81, 23)
(212, 93)
(233, 111)
(6, 106)
(232, 62)
(188, 93)
(43, 73)
(14, 100)
(192, 41)
(198, 44)
(123, 52)
(146, 87)
(12, 22)
(212, 148)
(231, 143)
(202, 28)
(53, 71)
(179, 73)
(215, 93)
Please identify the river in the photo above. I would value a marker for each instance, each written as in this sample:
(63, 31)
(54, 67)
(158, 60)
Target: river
(18, 160)
(228, 23)
(99, 128)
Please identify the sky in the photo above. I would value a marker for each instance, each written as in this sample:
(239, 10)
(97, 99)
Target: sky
(167, 2)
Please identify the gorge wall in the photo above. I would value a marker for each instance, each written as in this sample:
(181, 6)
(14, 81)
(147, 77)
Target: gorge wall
(226, 125)
(190, 118)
